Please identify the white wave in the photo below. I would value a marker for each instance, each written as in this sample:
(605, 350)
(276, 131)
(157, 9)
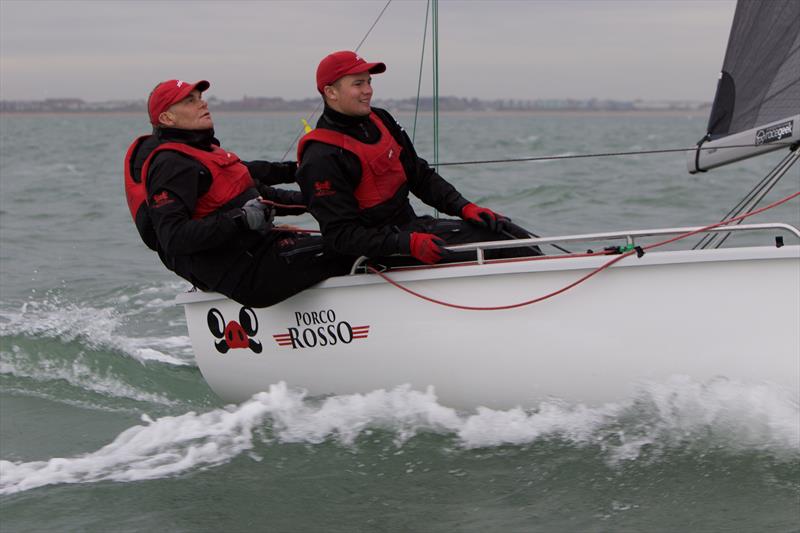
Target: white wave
(402, 410)
(158, 448)
(170, 287)
(154, 297)
(722, 413)
(78, 374)
(89, 404)
(740, 417)
(95, 327)
(144, 348)
(734, 416)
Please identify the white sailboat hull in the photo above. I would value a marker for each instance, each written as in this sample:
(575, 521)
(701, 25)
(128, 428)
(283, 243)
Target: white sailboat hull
(706, 314)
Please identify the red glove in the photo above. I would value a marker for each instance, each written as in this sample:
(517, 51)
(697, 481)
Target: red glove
(427, 247)
(483, 217)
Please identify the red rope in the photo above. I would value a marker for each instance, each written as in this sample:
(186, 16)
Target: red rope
(590, 274)
(288, 206)
(290, 229)
(724, 222)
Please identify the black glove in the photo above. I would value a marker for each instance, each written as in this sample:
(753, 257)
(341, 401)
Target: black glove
(258, 216)
(271, 173)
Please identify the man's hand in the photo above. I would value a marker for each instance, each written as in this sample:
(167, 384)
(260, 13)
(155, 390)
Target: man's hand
(258, 215)
(427, 248)
(484, 217)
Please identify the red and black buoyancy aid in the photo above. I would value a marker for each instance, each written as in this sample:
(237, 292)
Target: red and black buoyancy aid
(382, 173)
(136, 194)
(229, 178)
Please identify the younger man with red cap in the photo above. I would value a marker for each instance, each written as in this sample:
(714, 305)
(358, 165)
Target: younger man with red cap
(358, 167)
(200, 207)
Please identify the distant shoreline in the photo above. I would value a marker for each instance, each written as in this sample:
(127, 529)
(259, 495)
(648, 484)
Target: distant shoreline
(690, 113)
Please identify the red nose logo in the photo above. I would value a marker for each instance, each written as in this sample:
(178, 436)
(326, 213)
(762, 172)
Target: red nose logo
(234, 334)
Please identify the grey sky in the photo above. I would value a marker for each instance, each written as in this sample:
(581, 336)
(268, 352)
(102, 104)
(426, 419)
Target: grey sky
(99, 50)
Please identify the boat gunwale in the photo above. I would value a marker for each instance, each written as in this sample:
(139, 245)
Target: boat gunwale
(532, 265)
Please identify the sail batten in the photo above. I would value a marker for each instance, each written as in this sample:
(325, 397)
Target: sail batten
(758, 93)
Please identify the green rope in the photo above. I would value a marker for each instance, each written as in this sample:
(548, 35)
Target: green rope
(421, 63)
(435, 35)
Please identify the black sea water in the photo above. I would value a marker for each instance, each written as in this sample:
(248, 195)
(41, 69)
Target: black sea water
(107, 425)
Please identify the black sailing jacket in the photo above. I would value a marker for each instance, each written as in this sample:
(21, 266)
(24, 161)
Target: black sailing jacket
(377, 231)
(212, 252)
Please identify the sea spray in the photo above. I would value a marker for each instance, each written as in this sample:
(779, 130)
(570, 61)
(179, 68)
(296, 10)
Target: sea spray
(94, 327)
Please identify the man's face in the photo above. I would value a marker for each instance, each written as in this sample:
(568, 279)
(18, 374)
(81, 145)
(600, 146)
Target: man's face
(191, 113)
(351, 94)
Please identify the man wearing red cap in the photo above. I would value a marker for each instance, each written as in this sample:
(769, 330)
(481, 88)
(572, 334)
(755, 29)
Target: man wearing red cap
(209, 215)
(358, 167)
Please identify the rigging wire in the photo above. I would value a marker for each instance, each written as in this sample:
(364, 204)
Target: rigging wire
(319, 104)
(373, 25)
(752, 198)
(586, 156)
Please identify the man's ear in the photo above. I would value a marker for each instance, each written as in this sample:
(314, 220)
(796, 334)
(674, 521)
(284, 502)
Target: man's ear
(166, 119)
(330, 93)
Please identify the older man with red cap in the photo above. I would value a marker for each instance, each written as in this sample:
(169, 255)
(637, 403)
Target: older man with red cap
(209, 215)
(358, 167)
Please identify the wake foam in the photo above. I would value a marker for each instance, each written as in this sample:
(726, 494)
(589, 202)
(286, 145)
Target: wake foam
(721, 415)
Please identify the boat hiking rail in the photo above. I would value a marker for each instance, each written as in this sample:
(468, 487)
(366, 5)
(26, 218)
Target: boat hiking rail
(629, 236)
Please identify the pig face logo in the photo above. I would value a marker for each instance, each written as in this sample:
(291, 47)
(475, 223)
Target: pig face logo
(234, 334)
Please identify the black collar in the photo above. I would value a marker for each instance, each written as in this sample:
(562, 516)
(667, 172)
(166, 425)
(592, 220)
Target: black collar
(359, 128)
(340, 119)
(197, 138)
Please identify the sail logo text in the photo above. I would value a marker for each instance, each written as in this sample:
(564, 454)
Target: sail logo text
(774, 133)
(319, 329)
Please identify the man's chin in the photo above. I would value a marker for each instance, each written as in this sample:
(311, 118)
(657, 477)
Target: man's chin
(201, 126)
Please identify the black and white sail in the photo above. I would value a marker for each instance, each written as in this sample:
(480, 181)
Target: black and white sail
(757, 105)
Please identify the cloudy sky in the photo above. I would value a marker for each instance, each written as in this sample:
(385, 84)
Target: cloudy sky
(104, 49)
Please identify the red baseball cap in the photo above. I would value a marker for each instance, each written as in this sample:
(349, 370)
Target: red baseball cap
(170, 92)
(339, 64)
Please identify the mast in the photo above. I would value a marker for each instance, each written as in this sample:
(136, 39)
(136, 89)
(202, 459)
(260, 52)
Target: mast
(757, 104)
